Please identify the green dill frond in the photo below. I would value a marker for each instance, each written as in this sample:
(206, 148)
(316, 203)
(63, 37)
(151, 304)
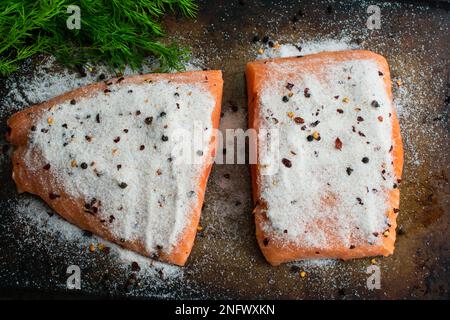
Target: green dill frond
(114, 32)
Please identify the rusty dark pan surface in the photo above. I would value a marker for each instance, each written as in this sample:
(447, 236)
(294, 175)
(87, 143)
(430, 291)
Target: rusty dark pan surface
(225, 261)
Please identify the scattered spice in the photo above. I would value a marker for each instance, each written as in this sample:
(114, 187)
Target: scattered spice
(299, 120)
(287, 163)
(83, 165)
(116, 139)
(285, 99)
(307, 93)
(345, 100)
(316, 135)
(91, 247)
(148, 120)
(266, 242)
(365, 160)
(375, 104)
(302, 274)
(349, 170)
(47, 166)
(340, 110)
(50, 120)
(338, 144)
(123, 185)
(165, 138)
(53, 196)
(135, 266)
(73, 101)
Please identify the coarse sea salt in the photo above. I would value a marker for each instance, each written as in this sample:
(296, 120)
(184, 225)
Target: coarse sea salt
(315, 186)
(118, 148)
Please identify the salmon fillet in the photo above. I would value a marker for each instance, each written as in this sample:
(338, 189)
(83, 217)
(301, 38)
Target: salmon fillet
(329, 154)
(109, 158)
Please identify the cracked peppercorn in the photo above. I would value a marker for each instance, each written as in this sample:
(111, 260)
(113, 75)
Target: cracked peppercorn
(123, 185)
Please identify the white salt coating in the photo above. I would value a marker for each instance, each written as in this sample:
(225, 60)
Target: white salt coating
(155, 205)
(315, 201)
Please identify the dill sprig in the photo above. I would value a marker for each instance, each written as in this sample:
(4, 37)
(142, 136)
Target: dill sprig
(114, 32)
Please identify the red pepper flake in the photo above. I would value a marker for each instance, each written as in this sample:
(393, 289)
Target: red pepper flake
(299, 120)
(53, 196)
(289, 86)
(380, 118)
(116, 139)
(340, 110)
(287, 162)
(307, 93)
(338, 144)
(47, 166)
(135, 266)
